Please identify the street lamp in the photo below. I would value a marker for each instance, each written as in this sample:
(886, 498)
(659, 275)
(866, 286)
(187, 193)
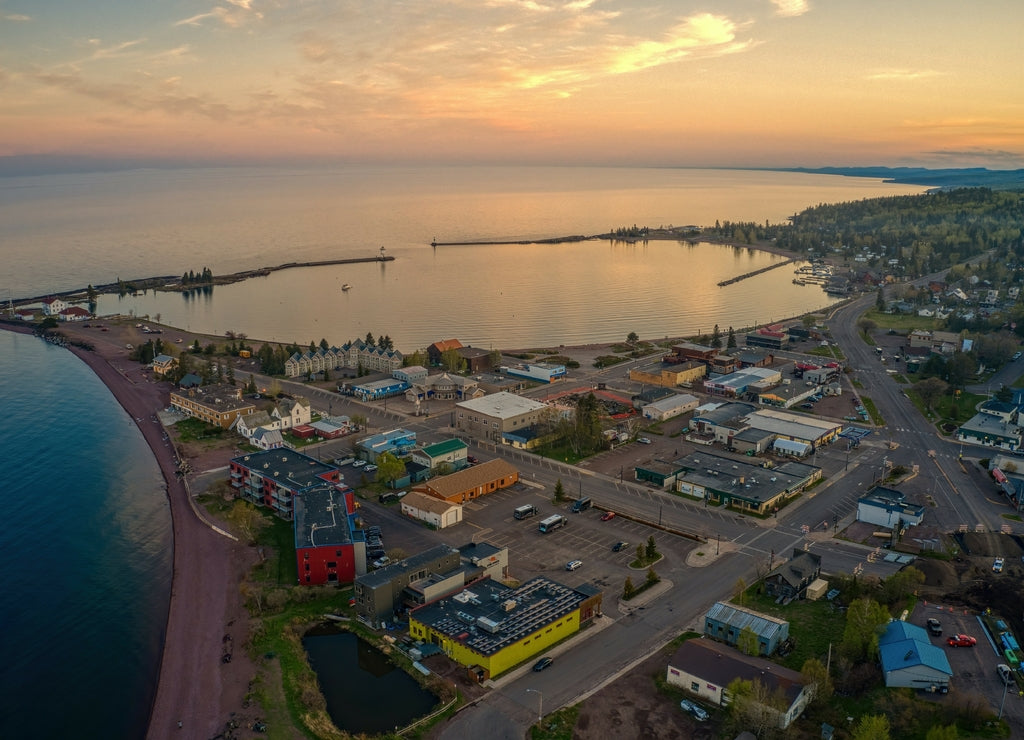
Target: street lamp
(540, 704)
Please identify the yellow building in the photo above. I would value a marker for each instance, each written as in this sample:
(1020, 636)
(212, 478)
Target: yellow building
(490, 628)
(685, 374)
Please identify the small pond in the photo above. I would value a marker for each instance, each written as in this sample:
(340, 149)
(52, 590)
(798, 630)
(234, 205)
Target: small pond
(365, 692)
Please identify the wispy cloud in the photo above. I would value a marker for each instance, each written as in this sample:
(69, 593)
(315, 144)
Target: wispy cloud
(791, 8)
(903, 74)
(16, 17)
(236, 14)
(703, 34)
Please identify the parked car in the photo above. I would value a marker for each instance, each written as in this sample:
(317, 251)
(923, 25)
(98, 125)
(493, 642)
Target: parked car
(934, 626)
(472, 459)
(694, 709)
(961, 641)
(370, 468)
(644, 440)
(1016, 356)
(1005, 672)
(381, 562)
(997, 565)
(541, 664)
(574, 565)
(358, 463)
(607, 515)
(619, 546)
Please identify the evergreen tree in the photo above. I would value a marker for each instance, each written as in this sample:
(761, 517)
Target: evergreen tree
(731, 341)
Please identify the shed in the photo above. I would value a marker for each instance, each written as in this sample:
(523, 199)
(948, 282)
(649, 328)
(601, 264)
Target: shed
(817, 589)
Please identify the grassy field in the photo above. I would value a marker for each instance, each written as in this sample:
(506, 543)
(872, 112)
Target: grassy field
(903, 322)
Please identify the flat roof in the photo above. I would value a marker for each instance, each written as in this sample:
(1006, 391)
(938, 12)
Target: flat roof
(320, 517)
(502, 405)
(420, 560)
(738, 478)
(287, 466)
(488, 616)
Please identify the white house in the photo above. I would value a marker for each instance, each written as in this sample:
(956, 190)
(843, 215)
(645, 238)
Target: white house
(433, 511)
(267, 439)
(292, 412)
(53, 306)
(248, 424)
(670, 406)
(706, 668)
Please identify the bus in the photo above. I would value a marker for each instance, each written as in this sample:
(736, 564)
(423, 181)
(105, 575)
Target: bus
(522, 512)
(552, 523)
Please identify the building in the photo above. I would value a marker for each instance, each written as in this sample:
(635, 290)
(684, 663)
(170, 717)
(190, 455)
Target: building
(291, 412)
(398, 442)
(247, 425)
(490, 628)
(381, 594)
(886, 507)
(163, 365)
(706, 669)
(741, 484)
(375, 390)
(444, 387)
(434, 511)
(220, 405)
(790, 579)
(719, 422)
(690, 352)
(810, 430)
(769, 337)
(412, 374)
(668, 408)
(273, 478)
(75, 313)
(53, 306)
(325, 549)
(477, 360)
(939, 342)
(540, 371)
(752, 380)
(685, 374)
(435, 352)
(990, 431)
(909, 659)
(490, 417)
(725, 623)
(659, 472)
(471, 483)
(266, 439)
(452, 453)
(356, 355)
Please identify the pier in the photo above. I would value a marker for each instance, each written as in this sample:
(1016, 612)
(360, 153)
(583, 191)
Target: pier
(746, 275)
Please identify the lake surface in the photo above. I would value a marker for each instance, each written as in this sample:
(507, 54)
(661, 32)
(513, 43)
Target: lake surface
(64, 232)
(85, 553)
(364, 691)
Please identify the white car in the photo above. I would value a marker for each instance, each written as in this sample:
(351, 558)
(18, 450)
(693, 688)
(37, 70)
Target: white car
(574, 565)
(359, 463)
(997, 565)
(370, 468)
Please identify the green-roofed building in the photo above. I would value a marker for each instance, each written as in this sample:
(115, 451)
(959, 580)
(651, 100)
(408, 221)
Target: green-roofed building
(453, 453)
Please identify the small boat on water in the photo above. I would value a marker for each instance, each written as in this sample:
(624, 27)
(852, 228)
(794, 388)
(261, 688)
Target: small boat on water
(346, 286)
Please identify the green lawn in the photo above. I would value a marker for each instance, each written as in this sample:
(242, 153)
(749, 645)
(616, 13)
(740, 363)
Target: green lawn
(813, 625)
(902, 322)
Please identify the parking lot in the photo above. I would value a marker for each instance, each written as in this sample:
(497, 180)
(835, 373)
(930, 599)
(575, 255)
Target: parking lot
(974, 668)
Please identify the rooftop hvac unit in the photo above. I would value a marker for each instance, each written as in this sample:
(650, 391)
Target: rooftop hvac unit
(509, 605)
(488, 625)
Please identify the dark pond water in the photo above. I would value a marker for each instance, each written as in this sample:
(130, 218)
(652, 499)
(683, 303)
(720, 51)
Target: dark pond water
(364, 691)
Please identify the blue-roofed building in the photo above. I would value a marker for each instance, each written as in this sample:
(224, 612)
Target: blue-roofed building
(725, 622)
(910, 660)
(398, 442)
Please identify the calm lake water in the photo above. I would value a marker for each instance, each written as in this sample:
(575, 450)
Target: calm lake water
(63, 232)
(85, 553)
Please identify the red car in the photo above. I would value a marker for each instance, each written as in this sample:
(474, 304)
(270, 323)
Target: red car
(962, 641)
(608, 515)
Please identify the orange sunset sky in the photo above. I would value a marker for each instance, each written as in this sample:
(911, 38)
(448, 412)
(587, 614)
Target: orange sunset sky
(735, 83)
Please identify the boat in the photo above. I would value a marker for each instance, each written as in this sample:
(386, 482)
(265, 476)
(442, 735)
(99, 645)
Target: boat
(346, 286)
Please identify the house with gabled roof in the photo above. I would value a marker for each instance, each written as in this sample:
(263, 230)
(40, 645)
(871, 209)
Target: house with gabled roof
(437, 349)
(451, 452)
(471, 483)
(53, 306)
(791, 578)
(75, 313)
(291, 412)
(248, 424)
(706, 668)
(266, 439)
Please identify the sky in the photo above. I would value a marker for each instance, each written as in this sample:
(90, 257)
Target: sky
(716, 83)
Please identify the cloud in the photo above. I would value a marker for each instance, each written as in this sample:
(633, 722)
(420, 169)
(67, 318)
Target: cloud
(790, 8)
(903, 74)
(237, 14)
(704, 34)
(16, 17)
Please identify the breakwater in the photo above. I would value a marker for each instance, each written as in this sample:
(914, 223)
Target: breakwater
(174, 283)
(752, 273)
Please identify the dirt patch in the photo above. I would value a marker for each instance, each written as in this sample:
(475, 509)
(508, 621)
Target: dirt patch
(633, 707)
